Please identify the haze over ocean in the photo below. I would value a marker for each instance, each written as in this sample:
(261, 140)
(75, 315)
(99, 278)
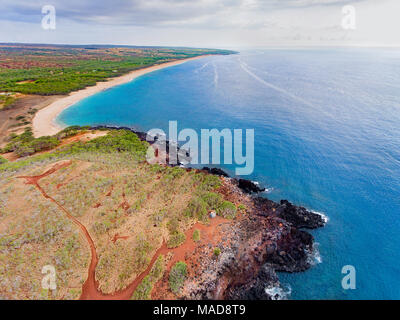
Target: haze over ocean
(327, 130)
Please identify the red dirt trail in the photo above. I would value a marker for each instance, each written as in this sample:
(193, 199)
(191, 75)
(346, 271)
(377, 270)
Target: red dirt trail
(117, 236)
(90, 289)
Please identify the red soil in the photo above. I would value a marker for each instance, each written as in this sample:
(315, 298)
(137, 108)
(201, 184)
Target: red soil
(117, 236)
(109, 193)
(90, 289)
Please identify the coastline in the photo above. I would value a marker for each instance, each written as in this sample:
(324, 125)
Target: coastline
(44, 123)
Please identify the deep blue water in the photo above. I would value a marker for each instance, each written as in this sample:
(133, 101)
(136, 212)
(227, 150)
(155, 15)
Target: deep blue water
(327, 127)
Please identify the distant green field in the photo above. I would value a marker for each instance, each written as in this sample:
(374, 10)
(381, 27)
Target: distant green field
(62, 69)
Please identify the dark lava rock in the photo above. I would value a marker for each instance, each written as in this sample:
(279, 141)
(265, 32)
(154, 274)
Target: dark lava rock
(256, 289)
(299, 217)
(249, 186)
(292, 252)
(216, 171)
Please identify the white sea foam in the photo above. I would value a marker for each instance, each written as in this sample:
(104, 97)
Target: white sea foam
(324, 216)
(278, 292)
(268, 190)
(314, 257)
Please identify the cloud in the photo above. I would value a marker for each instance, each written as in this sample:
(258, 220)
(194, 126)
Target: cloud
(189, 13)
(207, 23)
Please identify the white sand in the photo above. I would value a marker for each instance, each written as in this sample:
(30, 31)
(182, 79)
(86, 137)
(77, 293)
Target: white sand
(44, 121)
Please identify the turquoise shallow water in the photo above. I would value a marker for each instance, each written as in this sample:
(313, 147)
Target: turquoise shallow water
(327, 127)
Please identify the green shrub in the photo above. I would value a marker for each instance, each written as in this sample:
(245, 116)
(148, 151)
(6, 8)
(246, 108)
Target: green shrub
(123, 141)
(176, 239)
(24, 150)
(173, 225)
(157, 270)
(196, 235)
(213, 200)
(143, 290)
(118, 141)
(242, 208)
(209, 182)
(227, 210)
(25, 144)
(177, 276)
(70, 131)
(217, 252)
(197, 208)
(44, 143)
(2, 160)
(142, 251)
(7, 101)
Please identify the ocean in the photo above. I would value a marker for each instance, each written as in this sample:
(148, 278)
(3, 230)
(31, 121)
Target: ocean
(327, 137)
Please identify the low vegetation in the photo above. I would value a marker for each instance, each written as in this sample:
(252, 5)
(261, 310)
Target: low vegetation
(176, 239)
(217, 252)
(177, 276)
(196, 235)
(25, 144)
(58, 69)
(128, 206)
(227, 210)
(6, 100)
(143, 290)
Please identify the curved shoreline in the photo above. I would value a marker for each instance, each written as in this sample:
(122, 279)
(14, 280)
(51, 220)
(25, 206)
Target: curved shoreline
(44, 123)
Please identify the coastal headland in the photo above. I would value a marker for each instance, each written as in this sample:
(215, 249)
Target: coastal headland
(117, 227)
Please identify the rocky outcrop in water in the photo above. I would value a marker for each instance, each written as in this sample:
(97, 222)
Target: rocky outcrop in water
(299, 217)
(266, 242)
(249, 186)
(216, 171)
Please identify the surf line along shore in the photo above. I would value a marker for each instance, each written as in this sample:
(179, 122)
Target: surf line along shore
(44, 123)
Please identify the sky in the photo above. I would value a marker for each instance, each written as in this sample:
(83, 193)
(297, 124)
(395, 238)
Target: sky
(205, 23)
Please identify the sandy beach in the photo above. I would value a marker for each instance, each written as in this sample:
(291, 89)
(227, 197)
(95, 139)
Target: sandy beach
(44, 123)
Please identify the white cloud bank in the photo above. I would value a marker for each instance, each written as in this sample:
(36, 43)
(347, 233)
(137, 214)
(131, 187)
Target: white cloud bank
(204, 23)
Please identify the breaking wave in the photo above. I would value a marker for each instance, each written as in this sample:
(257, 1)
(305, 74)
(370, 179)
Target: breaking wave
(314, 257)
(278, 292)
(324, 216)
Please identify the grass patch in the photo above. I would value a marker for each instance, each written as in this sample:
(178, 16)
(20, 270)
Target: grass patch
(176, 239)
(217, 252)
(196, 235)
(6, 101)
(117, 141)
(177, 276)
(25, 144)
(213, 200)
(227, 210)
(143, 290)
(60, 70)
